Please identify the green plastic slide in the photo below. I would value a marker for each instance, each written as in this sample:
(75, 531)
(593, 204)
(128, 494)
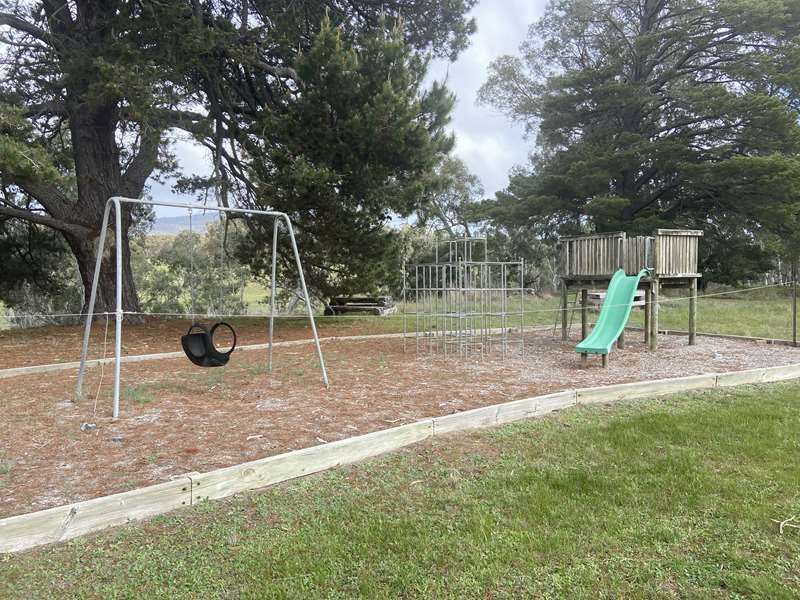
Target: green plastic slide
(613, 315)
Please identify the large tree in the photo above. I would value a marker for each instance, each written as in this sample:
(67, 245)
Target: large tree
(91, 91)
(348, 152)
(657, 113)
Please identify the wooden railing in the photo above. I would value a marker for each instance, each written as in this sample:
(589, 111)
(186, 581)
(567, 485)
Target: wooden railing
(670, 253)
(638, 254)
(676, 252)
(595, 255)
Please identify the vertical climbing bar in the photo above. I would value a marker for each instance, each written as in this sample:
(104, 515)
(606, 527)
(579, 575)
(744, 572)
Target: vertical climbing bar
(584, 321)
(654, 314)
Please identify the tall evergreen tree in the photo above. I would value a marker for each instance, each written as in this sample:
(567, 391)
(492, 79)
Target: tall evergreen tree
(658, 113)
(91, 91)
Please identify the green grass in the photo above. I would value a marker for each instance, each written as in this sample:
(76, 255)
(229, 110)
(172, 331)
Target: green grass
(255, 295)
(140, 393)
(754, 317)
(670, 498)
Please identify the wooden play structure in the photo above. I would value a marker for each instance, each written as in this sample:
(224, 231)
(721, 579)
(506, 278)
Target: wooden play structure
(589, 261)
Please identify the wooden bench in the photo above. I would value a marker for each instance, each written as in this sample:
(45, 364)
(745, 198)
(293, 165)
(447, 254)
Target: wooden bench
(376, 305)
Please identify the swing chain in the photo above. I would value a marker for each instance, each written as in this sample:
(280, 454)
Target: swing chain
(191, 268)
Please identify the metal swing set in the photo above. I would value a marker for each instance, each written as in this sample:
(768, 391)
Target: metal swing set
(116, 202)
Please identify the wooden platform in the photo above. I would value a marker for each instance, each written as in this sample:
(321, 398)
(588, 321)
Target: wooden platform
(670, 256)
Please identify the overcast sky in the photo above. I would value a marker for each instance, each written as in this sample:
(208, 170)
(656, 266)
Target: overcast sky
(486, 140)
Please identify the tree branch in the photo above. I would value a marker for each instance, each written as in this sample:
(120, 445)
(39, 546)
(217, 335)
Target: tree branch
(24, 26)
(142, 165)
(51, 198)
(46, 220)
(280, 72)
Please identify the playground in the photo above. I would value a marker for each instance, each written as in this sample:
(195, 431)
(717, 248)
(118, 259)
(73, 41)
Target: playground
(176, 418)
(399, 299)
(137, 413)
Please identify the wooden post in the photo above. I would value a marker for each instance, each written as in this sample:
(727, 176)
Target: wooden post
(693, 312)
(564, 336)
(584, 313)
(605, 360)
(794, 303)
(584, 321)
(654, 291)
(654, 315)
(621, 340)
(648, 299)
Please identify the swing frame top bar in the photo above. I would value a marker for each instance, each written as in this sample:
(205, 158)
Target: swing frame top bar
(117, 202)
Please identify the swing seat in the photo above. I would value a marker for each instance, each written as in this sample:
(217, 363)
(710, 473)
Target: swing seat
(199, 346)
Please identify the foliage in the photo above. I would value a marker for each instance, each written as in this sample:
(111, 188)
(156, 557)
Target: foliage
(660, 113)
(190, 272)
(347, 154)
(453, 196)
(91, 92)
(670, 498)
(38, 275)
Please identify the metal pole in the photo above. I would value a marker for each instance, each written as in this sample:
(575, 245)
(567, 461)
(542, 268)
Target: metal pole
(118, 329)
(655, 297)
(273, 287)
(307, 299)
(522, 306)
(584, 321)
(405, 328)
(416, 310)
(92, 297)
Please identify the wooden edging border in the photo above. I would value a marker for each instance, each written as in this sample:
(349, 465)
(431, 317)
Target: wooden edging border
(724, 336)
(22, 532)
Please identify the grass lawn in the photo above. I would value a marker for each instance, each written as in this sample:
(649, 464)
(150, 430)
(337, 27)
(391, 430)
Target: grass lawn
(669, 498)
(755, 317)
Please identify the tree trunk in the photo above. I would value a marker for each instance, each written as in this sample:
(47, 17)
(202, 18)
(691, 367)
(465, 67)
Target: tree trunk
(85, 256)
(98, 178)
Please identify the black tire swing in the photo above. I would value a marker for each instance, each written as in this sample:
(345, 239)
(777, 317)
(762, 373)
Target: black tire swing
(199, 346)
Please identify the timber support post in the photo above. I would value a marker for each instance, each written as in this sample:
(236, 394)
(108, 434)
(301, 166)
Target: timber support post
(693, 312)
(654, 299)
(564, 310)
(648, 300)
(584, 321)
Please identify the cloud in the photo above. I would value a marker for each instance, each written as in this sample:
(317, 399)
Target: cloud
(488, 142)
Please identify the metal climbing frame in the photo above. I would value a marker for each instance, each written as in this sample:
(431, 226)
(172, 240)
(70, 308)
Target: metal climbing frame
(465, 307)
(117, 202)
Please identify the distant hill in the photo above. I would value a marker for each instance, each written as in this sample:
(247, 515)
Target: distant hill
(174, 225)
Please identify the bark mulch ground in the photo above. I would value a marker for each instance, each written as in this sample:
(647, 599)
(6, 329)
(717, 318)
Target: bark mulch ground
(178, 418)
